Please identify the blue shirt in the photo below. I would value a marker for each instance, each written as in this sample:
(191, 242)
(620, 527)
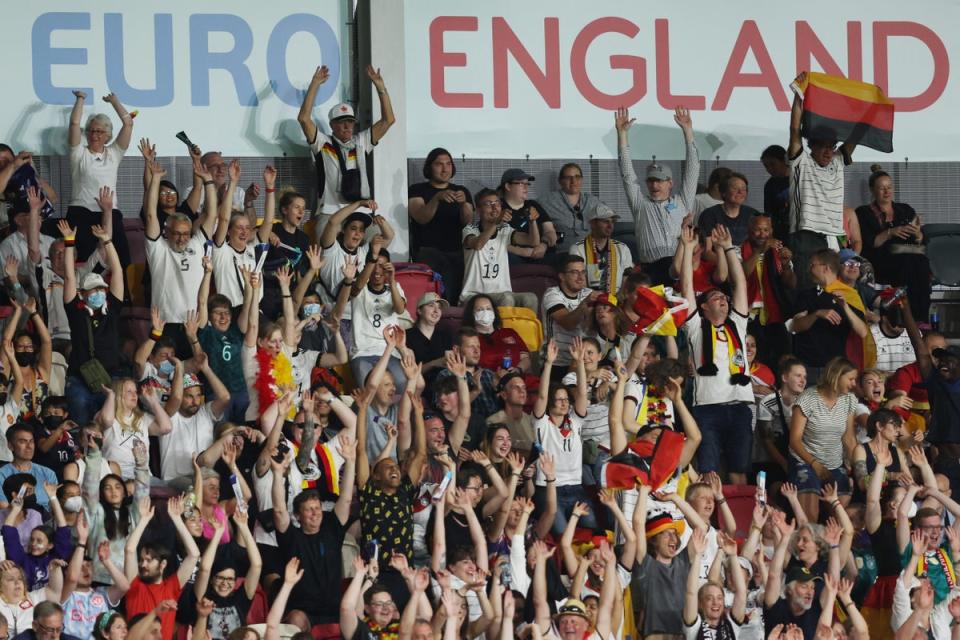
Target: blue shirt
(38, 471)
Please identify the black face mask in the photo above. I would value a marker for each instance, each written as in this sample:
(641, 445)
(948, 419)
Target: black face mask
(26, 358)
(52, 422)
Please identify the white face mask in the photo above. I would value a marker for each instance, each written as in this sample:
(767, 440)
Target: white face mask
(483, 317)
(73, 504)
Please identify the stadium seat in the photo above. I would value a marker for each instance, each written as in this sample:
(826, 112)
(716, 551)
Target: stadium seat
(626, 233)
(137, 323)
(533, 278)
(525, 323)
(741, 499)
(136, 239)
(451, 320)
(415, 279)
(943, 246)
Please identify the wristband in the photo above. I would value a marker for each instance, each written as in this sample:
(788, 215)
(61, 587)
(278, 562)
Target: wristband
(835, 504)
(834, 546)
(270, 190)
(69, 241)
(156, 335)
(286, 295)
(208, 183)
(729, 249)
(106, 242)
(551, 479)
(194, 342)
(721, 501)
(487, 467)
(517, 474)
(82, 544)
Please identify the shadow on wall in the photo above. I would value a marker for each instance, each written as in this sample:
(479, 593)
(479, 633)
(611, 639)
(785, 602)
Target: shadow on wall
(287, 136)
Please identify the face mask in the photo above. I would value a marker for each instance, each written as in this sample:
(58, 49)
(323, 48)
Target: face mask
(311, 308)
(52, 422)
(73, 504)
(166, 368)
(97, 299)
(484, 317)
(26, 358)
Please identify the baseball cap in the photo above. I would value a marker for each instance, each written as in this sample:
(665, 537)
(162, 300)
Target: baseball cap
(572, 607)
(190, 380)
(431, 296)
(342, 110)
(850, 254)
(602, 212)
(93, 281)
(950, 351)
(365, 218)
(801, 574)
(659, 172)
(512, 175)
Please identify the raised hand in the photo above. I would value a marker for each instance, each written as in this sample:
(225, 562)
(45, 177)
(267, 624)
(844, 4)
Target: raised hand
(147, 150)
(204, 607)
(321, 75)
(828, 493)
(375, 77)
(456, 364)
(580, 509)
(233, 170)
(100, 233)
(284, 276)
(350, 268)
(721, 237)
(65, 229)
(576, 349)
(80, 95)
(698, 541)
(681, 116)
(292, 573)
(34, 198)
(728, 544)
(548, 464)
(832, 532)
(516, 462)
(622, 120)
(269, 176)
(10, 267)
(156, 322)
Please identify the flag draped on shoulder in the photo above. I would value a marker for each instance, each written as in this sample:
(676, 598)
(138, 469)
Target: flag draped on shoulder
(661, 311)
(835, 108)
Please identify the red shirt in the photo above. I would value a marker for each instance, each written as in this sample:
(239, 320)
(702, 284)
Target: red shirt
(500, 343)
(907, 378)
(143, 598)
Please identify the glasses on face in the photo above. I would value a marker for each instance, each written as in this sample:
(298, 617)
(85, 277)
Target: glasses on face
(48, 631)
(576, 272)
(180, 234)
(852, 264)
(490, 204)
(166, 193)
(96, 132)
(385, 604)
(477, 488)
(224, 579)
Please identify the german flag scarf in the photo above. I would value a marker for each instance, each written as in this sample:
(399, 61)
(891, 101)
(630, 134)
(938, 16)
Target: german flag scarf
(644, 462)
(604, 262)
(736, 357)
(862, 352)
(764, 284)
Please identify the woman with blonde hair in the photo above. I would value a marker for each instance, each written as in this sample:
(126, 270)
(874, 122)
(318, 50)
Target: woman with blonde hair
(16, 603)
(124, 423)
(822, 435)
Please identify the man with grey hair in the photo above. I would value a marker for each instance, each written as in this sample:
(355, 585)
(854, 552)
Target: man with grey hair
(658, 214)
(569, 207)
(796, 602)
(176, 259)
(47, 623)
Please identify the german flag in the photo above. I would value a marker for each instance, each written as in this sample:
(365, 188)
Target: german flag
(835, 108)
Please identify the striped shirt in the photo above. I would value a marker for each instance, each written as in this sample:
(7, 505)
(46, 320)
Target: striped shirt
(553, 299)
(816, 195)
(658, 223)
(892, 353)
(822, 436)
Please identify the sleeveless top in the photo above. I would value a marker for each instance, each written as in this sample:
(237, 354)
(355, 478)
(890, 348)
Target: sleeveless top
(871, 460)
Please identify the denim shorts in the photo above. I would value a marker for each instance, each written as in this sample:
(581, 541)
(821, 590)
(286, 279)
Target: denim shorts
(806, 479)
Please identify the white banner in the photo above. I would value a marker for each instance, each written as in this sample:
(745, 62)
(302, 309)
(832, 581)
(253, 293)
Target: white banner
(541, 79)
(229, 74)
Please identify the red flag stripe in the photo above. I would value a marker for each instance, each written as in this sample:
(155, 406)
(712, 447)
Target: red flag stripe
(836, 106)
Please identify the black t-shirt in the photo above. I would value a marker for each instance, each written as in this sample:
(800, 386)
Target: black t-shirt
(320, 557)
(780, 614)
(944, 425)
(520, 219)
(776, 204)
(106, 334)
(443, 232)
(279, 256)
(427, 349)
(739, 227)
(823, 341)
(62, 452)
(476, 429)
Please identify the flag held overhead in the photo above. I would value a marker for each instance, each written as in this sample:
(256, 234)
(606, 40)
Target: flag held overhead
(835, 108)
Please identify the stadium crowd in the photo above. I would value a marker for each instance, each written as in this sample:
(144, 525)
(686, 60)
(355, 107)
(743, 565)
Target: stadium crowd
(742, 426)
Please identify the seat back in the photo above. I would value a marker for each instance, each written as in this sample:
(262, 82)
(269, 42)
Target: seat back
(136, 234)
(451, 320)
(943, 246)
(741, 499)
(416, 279)
(525, 323)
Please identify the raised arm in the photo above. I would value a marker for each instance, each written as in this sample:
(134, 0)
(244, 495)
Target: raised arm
(691, 431)
(639, 520)
(387, 118)
(628, 553)
(69, 260)
(126, 128)
(457, 366)
(133, 540)
(347, 447)
(775, 573)
(305, 116)
(189, 561)
(291, 576)
(721, 238)
(362, 399)
(540, 405)
(689, 242)
(795, 147)
(75, 131)
(581, 399)
(152, 222)
(691, 603)
(202, 580)
(567, 554)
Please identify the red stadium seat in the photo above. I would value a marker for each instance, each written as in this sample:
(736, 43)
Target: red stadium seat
(533, 278)
(741, 499)
(415, 279)
(136, 239)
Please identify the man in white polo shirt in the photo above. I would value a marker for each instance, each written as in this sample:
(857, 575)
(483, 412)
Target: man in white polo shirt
(566, 309)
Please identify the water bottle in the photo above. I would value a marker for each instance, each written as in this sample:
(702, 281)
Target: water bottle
(507, 362)
(442, 488)
(935, 321)
(762, 488)
(506, 574)
(238, 493)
